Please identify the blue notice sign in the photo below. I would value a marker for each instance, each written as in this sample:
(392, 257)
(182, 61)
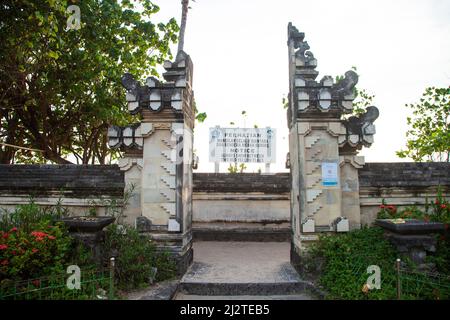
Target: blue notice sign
(329, 174)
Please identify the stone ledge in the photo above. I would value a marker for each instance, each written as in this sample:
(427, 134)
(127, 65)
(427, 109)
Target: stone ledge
(404, 174)
(257, 289)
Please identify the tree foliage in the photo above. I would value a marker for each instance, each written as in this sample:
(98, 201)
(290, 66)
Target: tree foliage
(60, 88)
(428, 137)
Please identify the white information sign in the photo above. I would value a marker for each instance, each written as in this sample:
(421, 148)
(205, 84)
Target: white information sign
(242, 145)
(329, 174)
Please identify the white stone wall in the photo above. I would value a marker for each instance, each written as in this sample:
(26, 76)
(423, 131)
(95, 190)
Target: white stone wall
(236, 207)
(240, 207)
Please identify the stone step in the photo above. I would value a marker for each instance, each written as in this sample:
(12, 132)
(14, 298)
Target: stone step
(301, 296)
(241, 231)
(250, 289)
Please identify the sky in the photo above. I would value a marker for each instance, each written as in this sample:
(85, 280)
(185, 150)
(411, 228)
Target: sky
(239, 51)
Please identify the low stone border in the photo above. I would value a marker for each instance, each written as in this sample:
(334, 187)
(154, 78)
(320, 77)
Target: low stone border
(165, 290)
(258, 289)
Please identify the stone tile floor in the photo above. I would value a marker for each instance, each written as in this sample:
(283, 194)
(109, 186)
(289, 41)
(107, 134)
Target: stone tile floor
(241, 262)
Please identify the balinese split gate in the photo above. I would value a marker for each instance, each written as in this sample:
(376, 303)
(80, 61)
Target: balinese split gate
(249, 230)
(323, 147)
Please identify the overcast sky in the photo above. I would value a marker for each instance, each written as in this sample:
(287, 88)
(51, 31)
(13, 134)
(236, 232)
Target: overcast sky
(239, 50)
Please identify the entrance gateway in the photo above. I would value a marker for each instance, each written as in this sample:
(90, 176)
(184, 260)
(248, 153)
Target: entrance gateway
(158, 152)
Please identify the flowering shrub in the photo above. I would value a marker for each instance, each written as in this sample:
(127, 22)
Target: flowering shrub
(440, 209)
(437, 210)
(41, 252)
(392, 212)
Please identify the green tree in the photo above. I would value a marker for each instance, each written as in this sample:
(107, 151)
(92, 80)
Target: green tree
(428, 137)
(60, 88)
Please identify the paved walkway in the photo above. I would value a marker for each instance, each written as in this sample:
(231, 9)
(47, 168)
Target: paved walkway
(241, 262)
(242, 270)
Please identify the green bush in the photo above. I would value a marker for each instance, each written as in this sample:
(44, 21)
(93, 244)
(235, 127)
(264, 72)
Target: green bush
(26, 217)
(34, 245)
(346, 258)
(39, 252)
(441, 258)
(136, 258)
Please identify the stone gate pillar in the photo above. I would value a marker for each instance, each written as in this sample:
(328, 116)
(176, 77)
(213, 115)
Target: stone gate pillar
(158, 155)
(323, 147)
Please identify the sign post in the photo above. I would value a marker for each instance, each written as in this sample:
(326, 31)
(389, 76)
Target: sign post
(242, 145)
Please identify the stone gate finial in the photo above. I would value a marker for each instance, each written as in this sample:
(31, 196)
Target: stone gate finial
(309, 98)
(175, 94)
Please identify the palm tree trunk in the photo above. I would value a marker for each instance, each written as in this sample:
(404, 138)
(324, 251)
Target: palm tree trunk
(184, 12)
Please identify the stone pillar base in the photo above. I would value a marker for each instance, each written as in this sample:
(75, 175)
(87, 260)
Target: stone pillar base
(93, 241)
(179, 246)
(182, 258)
(296, 259)
(184, 261)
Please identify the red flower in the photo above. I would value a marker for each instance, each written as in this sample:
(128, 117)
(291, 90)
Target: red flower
(14, 252)
(39, 234)
(51, 237)
(4, 262)
(13, 230)
(443, 206)
(5, 235)
(437, 201)
(382, 206)
(34, 250)
(36, 282)
(3, 246)
(392, 208)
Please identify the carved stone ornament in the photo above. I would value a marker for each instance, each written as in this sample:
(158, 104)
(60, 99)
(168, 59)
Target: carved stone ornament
(309, 98)
(156, 95)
